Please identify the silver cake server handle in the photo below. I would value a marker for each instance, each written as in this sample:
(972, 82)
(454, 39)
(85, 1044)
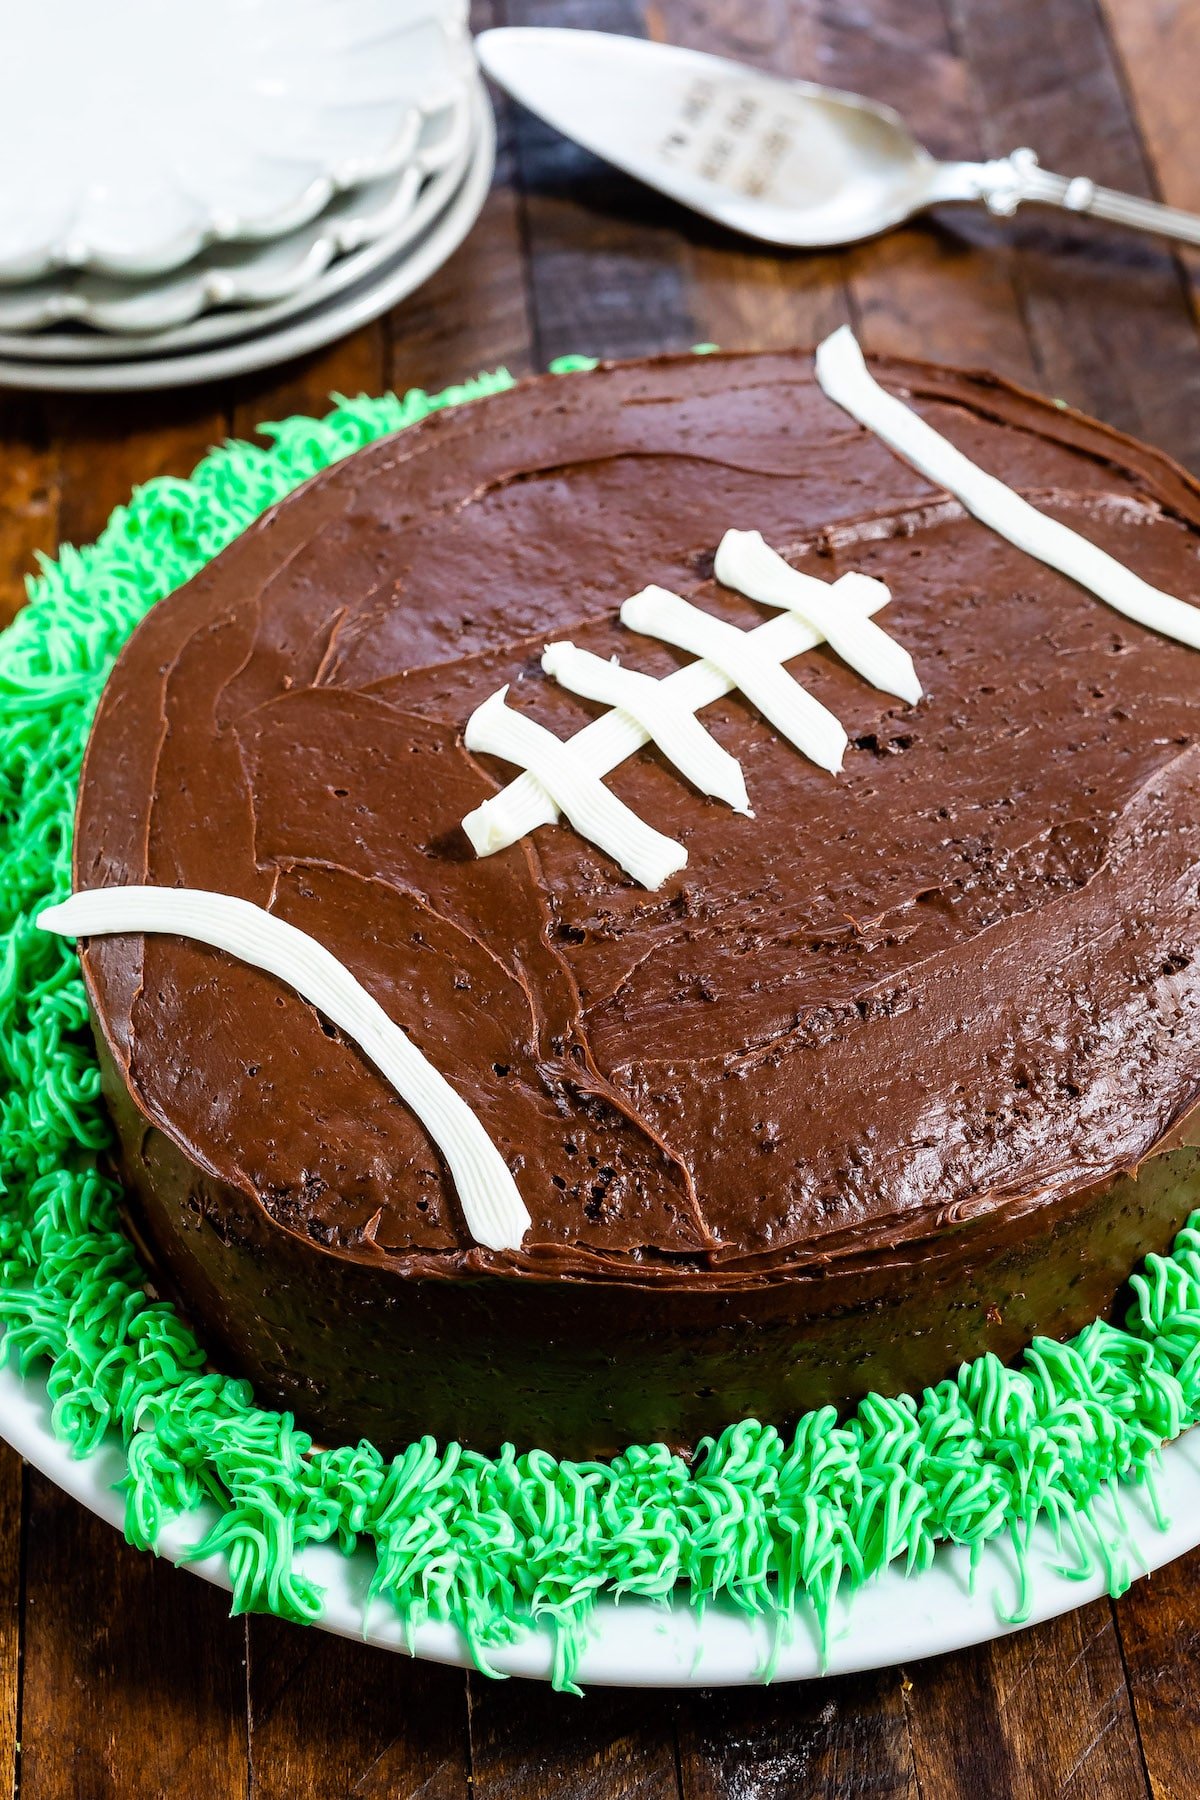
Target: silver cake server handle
(1014, 179)
(785, 161)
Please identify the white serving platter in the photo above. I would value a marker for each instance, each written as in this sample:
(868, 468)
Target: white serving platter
(314, 327)
(894, 1619)
(268, 276)
(136, 133)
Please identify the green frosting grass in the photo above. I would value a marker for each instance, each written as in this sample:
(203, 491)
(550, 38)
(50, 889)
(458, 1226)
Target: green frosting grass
(493, 1544)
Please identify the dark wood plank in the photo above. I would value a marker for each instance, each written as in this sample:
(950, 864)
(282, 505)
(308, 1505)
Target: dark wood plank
(134, 1676)
(741, 295)
(604, 266)
(1158, 1622)
(353, 365)
(29, 487)
(336, 1718)
(827, 1740)
(744, 299)
(1041, 1715)
(1158, 45)
(944, 286)
(106, 444)
(474, 314)
(1107, 312)
(528, 1741)
(11, 1550)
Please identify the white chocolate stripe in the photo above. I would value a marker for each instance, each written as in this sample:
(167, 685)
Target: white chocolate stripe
(492, 1206)
(745, 562)
(791, 709)
(524, 804)
(567, 777)
(678, 733)
(844, 376)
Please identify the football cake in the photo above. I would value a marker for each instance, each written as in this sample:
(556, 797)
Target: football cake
(784, 883)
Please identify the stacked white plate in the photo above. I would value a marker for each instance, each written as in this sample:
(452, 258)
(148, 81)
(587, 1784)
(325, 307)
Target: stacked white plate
(197, 191)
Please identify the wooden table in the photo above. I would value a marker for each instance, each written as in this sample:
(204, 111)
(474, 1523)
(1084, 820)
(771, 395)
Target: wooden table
(122, 1677)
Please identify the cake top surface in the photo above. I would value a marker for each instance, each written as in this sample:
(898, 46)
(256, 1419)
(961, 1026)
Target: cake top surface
(955, 978)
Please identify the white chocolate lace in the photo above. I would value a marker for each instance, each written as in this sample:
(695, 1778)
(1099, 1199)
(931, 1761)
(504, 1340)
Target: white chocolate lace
(592, 809)
(844, 376)
(493, 1209)
(676, 730)
(745, 562)
(608, 741)
(791, 709)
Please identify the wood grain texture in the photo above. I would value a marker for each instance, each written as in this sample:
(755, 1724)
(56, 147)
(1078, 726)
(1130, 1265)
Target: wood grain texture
(946, 286)
(475, 313)
(1158, 49)
(12, 1546)
(615, 1744)
(134, 1681)
(117, 1633)
(1158, 1624)
(1044, 1715)
(122, 1677)
(604, 261)
(29, 494)
(334, 1718)
(106, 444)
(1107, 314)
(830, 1740)
(741, 295)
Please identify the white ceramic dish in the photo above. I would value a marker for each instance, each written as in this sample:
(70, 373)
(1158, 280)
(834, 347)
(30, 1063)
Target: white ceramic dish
(248, 275)
(435, 196)
(895, 1619)
(318, 326)
(139, 132)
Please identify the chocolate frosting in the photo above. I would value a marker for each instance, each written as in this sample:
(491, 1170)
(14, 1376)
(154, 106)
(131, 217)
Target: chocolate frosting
(956, 982)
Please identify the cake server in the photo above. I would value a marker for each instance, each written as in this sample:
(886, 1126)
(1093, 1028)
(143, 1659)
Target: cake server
(781, 160)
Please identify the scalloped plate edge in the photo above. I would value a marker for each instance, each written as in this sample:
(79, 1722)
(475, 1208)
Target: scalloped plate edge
(319, 326)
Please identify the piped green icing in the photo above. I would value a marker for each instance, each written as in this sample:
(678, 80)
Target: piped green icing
(770, 1524)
